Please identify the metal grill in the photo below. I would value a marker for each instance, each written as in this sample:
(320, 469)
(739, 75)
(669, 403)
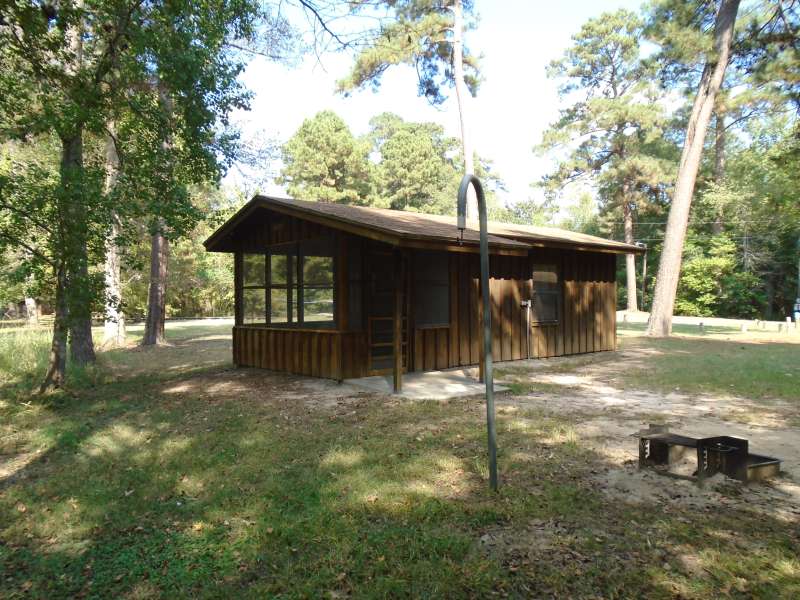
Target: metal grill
(720, 454)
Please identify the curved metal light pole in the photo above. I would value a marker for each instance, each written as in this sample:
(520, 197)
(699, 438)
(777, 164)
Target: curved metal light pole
(466, 181)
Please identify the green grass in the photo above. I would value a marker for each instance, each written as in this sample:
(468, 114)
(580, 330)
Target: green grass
(165, 478)
(743, 366)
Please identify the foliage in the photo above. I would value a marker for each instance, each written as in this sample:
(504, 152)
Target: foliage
(713, 284)
(582, 216)
(161, 79)
(397, 164)
(612, 128)
(416, 168)
(762, 217)
(419, 34)
(323, 161)
(201, 283)
(741, 253)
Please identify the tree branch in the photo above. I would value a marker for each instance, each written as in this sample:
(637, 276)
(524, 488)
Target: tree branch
(318, 17)
(26, 215)
(28, 247)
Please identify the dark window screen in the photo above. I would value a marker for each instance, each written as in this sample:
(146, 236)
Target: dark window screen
(431, 289)
(546, 293)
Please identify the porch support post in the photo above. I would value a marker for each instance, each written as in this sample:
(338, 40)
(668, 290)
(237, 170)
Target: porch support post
(237, 287)
(398, 321)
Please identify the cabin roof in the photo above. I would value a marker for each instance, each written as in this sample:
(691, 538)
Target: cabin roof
(405, 228)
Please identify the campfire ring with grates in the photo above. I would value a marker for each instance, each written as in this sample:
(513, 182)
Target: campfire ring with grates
(658, 448)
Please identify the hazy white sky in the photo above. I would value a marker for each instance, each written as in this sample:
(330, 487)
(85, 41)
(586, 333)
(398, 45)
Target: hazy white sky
(516, 102)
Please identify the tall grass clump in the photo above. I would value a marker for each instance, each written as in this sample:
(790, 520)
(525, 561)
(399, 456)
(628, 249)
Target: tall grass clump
(23, 354)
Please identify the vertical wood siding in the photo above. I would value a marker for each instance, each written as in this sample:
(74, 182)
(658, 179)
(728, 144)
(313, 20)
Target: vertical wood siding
(587, 310)
(328, 354)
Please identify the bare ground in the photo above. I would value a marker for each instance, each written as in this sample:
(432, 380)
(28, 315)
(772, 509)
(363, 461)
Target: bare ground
(607, 419)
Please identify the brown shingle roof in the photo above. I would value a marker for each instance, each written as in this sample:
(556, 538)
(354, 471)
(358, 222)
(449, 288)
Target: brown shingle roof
(403, 226)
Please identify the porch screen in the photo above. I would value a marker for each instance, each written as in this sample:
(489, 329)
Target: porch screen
(281, 288)
(300, 285)
(431, 290)
(253, 289)
(546, 294)
(316, 284)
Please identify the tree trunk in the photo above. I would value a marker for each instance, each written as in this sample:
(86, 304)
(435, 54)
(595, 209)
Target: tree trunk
(719, 146)
(114, 326)
(769, 288)
(630, 259)
(75, 233)
(660, 321)
(461, 97)
(75, 229)
(31, 312)
(798, 269)
(57, 362)
(156, 299)
(719, 164)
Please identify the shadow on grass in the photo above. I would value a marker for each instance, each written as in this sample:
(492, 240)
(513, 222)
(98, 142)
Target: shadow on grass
(252, 492)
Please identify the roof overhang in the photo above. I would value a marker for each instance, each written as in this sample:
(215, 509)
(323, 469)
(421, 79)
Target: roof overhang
(413, 230)
(222, 239)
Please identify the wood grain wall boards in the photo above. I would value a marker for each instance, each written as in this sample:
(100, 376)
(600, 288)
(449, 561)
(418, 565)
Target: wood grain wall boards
(316, 353)
(586, 311)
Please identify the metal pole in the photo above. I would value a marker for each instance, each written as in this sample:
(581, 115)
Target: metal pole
(468, 179)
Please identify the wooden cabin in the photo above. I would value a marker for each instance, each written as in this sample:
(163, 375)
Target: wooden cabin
(336, 291)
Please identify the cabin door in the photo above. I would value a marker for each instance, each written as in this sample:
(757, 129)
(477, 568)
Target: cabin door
(381, 286)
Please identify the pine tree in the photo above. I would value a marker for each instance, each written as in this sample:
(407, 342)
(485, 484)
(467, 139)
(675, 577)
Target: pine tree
(611, 132)
(323, 161)
(716, 61)
(428, 35)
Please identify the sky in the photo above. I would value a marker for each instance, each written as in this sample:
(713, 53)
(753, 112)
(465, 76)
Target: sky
(514, 105)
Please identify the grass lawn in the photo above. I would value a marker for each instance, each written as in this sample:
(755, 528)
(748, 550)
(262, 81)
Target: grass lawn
(755, 365)
(168, 473)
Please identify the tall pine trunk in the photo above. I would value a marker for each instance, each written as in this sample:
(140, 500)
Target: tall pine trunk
(114, 325)
(719, 164)
(660, 321)
(630, 259)
(156, 298)
(461, 97)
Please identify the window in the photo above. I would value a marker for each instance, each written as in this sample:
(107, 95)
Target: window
(253, 289)
(292, 284)
(546, 294)
(431, 290)
(317, 289)
(281, 288)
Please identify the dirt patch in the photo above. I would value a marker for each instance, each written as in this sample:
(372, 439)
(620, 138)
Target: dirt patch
(616, 441)
(523, 544)
(607, 420)
(283, 391)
